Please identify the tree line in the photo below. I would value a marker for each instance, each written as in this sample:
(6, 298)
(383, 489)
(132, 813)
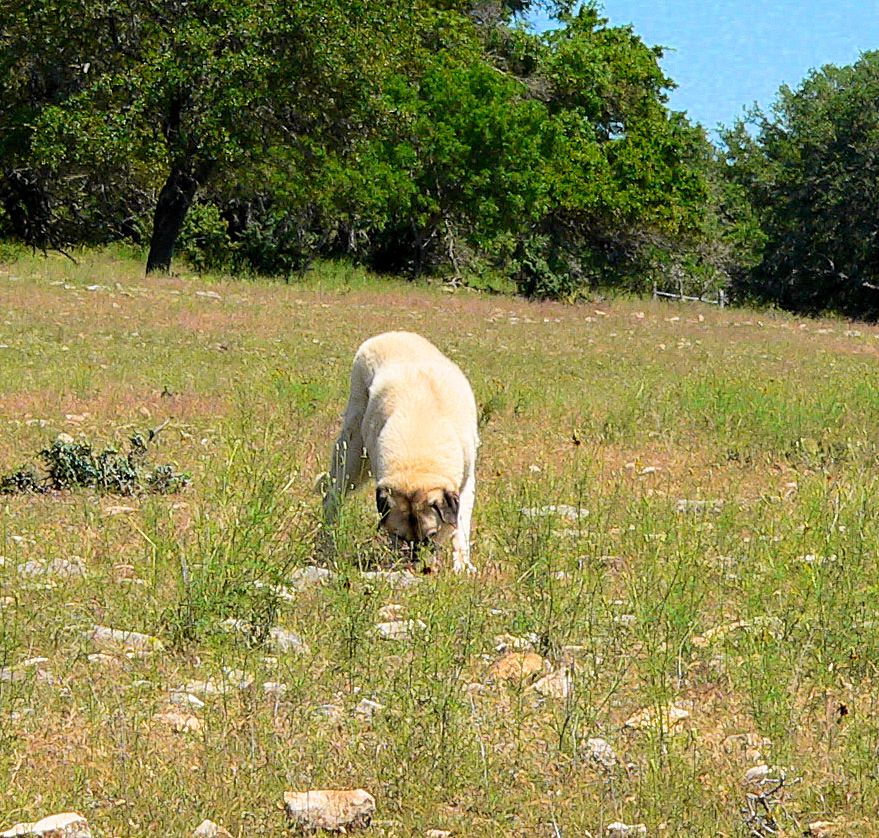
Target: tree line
(436, 137)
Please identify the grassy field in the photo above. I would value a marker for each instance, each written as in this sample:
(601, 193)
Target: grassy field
(727, 566)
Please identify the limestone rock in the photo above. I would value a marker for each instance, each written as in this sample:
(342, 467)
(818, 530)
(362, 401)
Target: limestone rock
(310, 576)
(20, 671)
(518, 666)
(208, 829)
(283, 641)
(394, 578)
(66, 825)
(391, 611)
(562, 510)
(400, 629)
(510, 642)
(274, 689)
(119, 638)
(557, 684)
(55, 569)
(178, 721)
(367, 708)
(438, 833)
(335, 810)
(667, 718)
(618, 829)
(601, 753)
(757, 774)
(184, 699)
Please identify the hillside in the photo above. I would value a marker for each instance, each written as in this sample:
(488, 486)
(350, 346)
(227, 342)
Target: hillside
(675, 509)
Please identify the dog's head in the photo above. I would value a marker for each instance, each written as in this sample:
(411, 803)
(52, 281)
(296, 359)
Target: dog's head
(422, 516)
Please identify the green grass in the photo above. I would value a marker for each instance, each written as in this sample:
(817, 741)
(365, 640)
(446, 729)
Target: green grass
(621, 408)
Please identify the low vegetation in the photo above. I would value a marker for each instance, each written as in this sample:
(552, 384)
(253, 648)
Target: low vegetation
(675, 510)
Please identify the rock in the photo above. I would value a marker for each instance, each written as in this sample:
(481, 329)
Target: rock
(178, 721)
(333, 810)
(715, 635)
(66, 825)
(508, 642)
(557, 684)
(698, 506)
(562, 510)
(236, 678)
(392, 611)
(367, 708)
(129, 640)
(280, 591)
(518, 666)
(822, 829)
(394, 578)
(203, 689)
(20, 671)
(601, 753)
(283, 641)
(329, 711)
(400, 629)
(438, 833)
(55, 569)
(102, 658)
(618, 829)
(208, 829)
(184, 699)
(757, 774)
(310, 576)
(667, 718)
(275, 689)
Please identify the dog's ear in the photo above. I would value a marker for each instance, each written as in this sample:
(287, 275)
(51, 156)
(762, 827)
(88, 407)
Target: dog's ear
(382, 503)
(448, 508)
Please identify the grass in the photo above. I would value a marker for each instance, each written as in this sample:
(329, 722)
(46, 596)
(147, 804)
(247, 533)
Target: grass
(623, 409)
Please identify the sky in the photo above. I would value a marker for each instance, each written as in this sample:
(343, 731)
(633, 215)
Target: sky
(727, 55)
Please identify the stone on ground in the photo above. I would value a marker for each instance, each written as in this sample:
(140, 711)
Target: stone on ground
(65, 825)
(335, 810)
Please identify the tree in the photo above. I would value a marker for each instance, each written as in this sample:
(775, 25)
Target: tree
(182, 91)
(811, 169)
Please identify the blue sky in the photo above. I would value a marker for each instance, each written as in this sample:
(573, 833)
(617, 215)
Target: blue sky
(725, 55)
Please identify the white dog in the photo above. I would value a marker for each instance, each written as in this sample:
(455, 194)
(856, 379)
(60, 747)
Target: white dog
(411, 420)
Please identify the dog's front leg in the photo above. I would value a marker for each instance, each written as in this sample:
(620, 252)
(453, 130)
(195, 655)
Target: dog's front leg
(461, 539)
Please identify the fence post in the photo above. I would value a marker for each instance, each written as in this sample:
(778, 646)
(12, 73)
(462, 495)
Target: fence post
(655, 295)
(721, 298)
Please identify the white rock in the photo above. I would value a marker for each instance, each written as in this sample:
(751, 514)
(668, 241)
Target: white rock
(283, 641)
(184, 699)
(600, 752)
(618, 829)
(509, 642)
(329, 711)
(698, 506)
(310, 576)
(394, 578)
(399, 629)
(66, 825)
(178, 721)
(557, 684)
(208, 829)
(757, 774)
(562, 510)
(280, 591)
(102, 658)
(20, 671)
(666, 717)
(367, 708)
(334, 810)
(55, 569)
(438, 833)
(391, 611)
(274, 688)
(130, 640)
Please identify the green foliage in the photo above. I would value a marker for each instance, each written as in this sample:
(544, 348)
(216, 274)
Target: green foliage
(74, 465)
(809, 169)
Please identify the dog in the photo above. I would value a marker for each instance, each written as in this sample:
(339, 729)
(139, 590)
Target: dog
(411, 420)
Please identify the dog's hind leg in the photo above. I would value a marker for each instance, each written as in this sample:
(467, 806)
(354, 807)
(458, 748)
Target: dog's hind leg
(461, 538)
(348, 466)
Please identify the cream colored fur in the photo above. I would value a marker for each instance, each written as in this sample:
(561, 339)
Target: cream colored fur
(411, 420)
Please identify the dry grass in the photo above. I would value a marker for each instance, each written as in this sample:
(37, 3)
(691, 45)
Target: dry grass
(623, 408)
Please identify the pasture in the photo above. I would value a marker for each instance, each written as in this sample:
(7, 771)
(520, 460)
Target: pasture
(714, 548)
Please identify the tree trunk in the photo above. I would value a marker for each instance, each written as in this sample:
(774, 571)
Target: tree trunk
(173, 204)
